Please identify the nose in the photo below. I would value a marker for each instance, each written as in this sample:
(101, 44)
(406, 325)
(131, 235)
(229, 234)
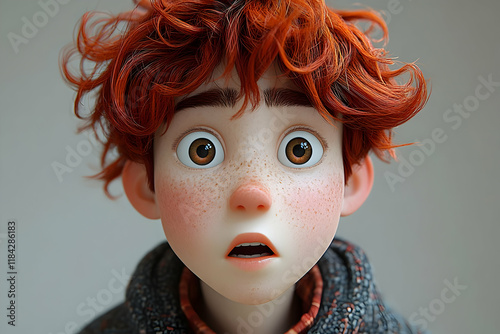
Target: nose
(251, 198)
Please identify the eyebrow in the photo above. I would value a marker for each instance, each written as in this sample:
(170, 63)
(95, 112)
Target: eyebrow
(227, 97)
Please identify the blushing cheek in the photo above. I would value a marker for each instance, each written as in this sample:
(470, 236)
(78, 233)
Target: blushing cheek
(315, 211)
(186, 209)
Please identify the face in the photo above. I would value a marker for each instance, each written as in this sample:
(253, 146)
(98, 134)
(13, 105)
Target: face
(249, 204)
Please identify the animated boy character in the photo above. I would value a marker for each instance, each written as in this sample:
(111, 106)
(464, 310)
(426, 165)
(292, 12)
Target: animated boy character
(245, 127)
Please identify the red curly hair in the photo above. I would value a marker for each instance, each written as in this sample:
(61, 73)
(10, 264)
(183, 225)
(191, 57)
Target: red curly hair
(142, 61)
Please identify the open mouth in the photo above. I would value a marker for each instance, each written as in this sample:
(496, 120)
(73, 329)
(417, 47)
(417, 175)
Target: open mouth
(251, 246)
(249, 250)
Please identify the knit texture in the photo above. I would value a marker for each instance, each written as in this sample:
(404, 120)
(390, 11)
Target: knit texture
(350, 302)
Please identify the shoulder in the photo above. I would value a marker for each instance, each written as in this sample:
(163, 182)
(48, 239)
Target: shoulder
(351, 300)
(122, 319)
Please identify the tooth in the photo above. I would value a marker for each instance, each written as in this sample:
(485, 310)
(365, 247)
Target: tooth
(250, 244)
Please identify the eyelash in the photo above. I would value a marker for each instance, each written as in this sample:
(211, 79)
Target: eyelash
(307, 129)
(185, 133)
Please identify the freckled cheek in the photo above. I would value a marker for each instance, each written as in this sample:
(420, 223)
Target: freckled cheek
(314, 210)
(188, 210)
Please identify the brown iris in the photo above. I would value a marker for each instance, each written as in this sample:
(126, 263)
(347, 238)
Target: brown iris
(298, 151)
(202, 151)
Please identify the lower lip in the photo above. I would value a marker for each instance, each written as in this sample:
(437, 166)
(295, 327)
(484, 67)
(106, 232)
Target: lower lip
(251, 264)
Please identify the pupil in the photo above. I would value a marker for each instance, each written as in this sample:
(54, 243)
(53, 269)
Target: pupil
(300, 149)
(203, 150)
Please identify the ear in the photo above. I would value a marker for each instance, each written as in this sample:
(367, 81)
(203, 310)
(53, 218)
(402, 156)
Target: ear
(135, 183)
(358, 186)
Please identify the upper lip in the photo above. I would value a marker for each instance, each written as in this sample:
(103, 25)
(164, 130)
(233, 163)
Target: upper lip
(251, 238)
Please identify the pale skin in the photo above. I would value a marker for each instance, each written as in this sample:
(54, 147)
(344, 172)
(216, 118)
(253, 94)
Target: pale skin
(251, 187)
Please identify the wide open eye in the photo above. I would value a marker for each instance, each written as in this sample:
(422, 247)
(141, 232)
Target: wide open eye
(200, 149)
(300, 149)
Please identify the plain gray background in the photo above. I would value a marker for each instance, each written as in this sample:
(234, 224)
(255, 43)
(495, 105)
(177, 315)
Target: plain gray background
(438, 223)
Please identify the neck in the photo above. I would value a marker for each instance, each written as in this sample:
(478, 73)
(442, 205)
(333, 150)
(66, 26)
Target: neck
(226, 316)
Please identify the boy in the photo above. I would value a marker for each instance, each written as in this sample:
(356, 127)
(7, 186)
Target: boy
(245, 127)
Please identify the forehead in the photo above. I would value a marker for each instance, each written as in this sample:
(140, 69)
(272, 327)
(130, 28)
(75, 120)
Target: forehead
(272, 78)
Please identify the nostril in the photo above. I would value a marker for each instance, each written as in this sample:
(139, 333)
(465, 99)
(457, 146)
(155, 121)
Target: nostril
(250, 198)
